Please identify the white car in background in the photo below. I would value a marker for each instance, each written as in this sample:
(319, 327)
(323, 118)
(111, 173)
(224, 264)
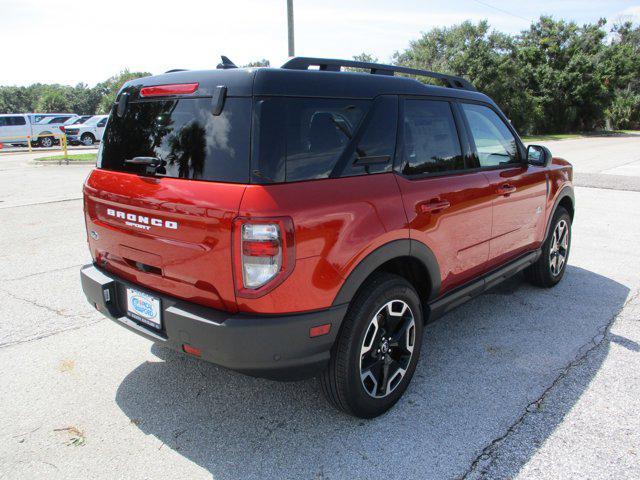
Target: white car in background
(16, 128)
(88, 132)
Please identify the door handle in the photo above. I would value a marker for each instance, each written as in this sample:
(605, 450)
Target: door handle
(433, 206)
(506, 189)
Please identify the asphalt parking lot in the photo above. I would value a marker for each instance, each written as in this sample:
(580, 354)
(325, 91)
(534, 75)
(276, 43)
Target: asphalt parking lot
(520, 382)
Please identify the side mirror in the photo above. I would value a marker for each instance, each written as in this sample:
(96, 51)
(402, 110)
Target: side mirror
(538, 155)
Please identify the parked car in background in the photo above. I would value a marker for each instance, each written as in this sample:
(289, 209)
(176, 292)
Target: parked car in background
(16, 128)
(51, 125)
(87, 133)
(81, 119)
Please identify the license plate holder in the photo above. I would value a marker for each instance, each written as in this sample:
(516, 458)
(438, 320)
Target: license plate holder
(144, 308)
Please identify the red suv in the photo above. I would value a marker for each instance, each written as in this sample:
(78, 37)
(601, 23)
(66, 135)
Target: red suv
(299, 221)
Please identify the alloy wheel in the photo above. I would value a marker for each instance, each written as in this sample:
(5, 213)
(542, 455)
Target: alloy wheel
(387, 348)
(559, 248)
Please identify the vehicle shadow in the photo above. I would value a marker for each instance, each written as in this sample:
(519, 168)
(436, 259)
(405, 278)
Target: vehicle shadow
(481, 366)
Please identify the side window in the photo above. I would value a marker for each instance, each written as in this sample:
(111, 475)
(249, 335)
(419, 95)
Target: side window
(18, 121)
(302, 138)
(102, 122)
(430, 140)
(318, 131)
(495, 143)
(374, 151)
(4, 121)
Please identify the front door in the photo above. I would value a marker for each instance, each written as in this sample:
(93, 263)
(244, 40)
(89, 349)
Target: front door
(519, 190)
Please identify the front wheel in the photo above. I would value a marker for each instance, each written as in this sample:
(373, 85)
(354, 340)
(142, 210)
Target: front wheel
(377, 350)
(87, 139)
(550, 267)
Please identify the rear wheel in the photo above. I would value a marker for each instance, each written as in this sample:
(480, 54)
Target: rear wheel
(550, 267)
(377, 350)
(46, 142)
(87, 139)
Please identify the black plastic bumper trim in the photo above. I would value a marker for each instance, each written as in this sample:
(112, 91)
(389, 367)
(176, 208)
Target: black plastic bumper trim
(276, 347)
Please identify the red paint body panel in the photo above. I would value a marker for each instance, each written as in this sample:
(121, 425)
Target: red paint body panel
(459, 235)
(194, 259)
(517, 216)
(337, 223)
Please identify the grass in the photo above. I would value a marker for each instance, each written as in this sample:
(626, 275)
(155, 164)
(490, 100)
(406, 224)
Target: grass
(571, 136)
(78, 157)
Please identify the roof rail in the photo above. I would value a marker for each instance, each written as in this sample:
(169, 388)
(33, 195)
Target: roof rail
(334, 65)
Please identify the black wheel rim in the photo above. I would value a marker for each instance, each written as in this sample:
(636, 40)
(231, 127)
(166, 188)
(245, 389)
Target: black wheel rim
(387, 348)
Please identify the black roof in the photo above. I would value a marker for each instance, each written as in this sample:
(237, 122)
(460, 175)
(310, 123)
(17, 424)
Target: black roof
(298, 81)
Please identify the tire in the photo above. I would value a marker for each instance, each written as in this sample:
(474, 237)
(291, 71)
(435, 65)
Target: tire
(45, 142)
(354, 381)
(87, 139)
(550, 267)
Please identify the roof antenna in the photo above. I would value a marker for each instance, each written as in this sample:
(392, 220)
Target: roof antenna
(226, 63)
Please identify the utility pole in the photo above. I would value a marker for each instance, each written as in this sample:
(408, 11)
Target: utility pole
(290, 27)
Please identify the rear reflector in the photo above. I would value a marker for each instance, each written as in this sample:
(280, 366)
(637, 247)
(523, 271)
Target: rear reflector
(319, 330)
(165, 90)
(191, 350)
(265, 248)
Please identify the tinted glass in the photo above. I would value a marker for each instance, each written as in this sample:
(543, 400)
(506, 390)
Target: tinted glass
(102, 122)
(376, 144)
(192, 142)
(430, 140)
(495, 143)
(12, 121)
(302, 138)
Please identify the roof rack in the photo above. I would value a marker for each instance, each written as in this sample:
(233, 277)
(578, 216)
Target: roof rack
(334, 65)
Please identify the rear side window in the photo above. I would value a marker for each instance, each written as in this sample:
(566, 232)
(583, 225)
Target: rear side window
(430, 140)
(302, 138)
(495, 143)
(183, 133)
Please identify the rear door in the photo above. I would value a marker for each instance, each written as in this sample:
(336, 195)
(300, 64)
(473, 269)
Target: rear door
(169, 228)
(519, 190)
(447, 202)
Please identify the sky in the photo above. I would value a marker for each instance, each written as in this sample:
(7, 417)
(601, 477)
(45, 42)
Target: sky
(88, 41)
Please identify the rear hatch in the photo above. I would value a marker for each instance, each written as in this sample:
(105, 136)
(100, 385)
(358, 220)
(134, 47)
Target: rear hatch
(166, 224)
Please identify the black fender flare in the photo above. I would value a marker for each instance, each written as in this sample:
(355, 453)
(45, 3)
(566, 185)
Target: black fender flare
(566, 191)
(389, 251)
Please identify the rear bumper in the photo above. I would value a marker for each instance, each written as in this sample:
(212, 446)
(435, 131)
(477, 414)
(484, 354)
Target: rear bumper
(276, 347)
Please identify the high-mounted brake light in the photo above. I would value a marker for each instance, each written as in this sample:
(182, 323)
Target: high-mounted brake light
(264, 254)
(166, 90)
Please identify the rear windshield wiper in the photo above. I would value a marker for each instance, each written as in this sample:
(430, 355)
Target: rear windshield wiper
(150, 161)
(154, 166)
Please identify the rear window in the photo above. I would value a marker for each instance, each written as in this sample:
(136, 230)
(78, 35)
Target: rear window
(185, 135)
(298, 139)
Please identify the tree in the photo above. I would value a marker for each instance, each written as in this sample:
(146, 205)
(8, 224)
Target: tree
(53, 100)
(258, 63)
(108, 90)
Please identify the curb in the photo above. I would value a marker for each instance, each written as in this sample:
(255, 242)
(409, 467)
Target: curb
(61, 162)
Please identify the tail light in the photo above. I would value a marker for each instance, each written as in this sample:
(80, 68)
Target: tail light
(264, 254)
(62, 128)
